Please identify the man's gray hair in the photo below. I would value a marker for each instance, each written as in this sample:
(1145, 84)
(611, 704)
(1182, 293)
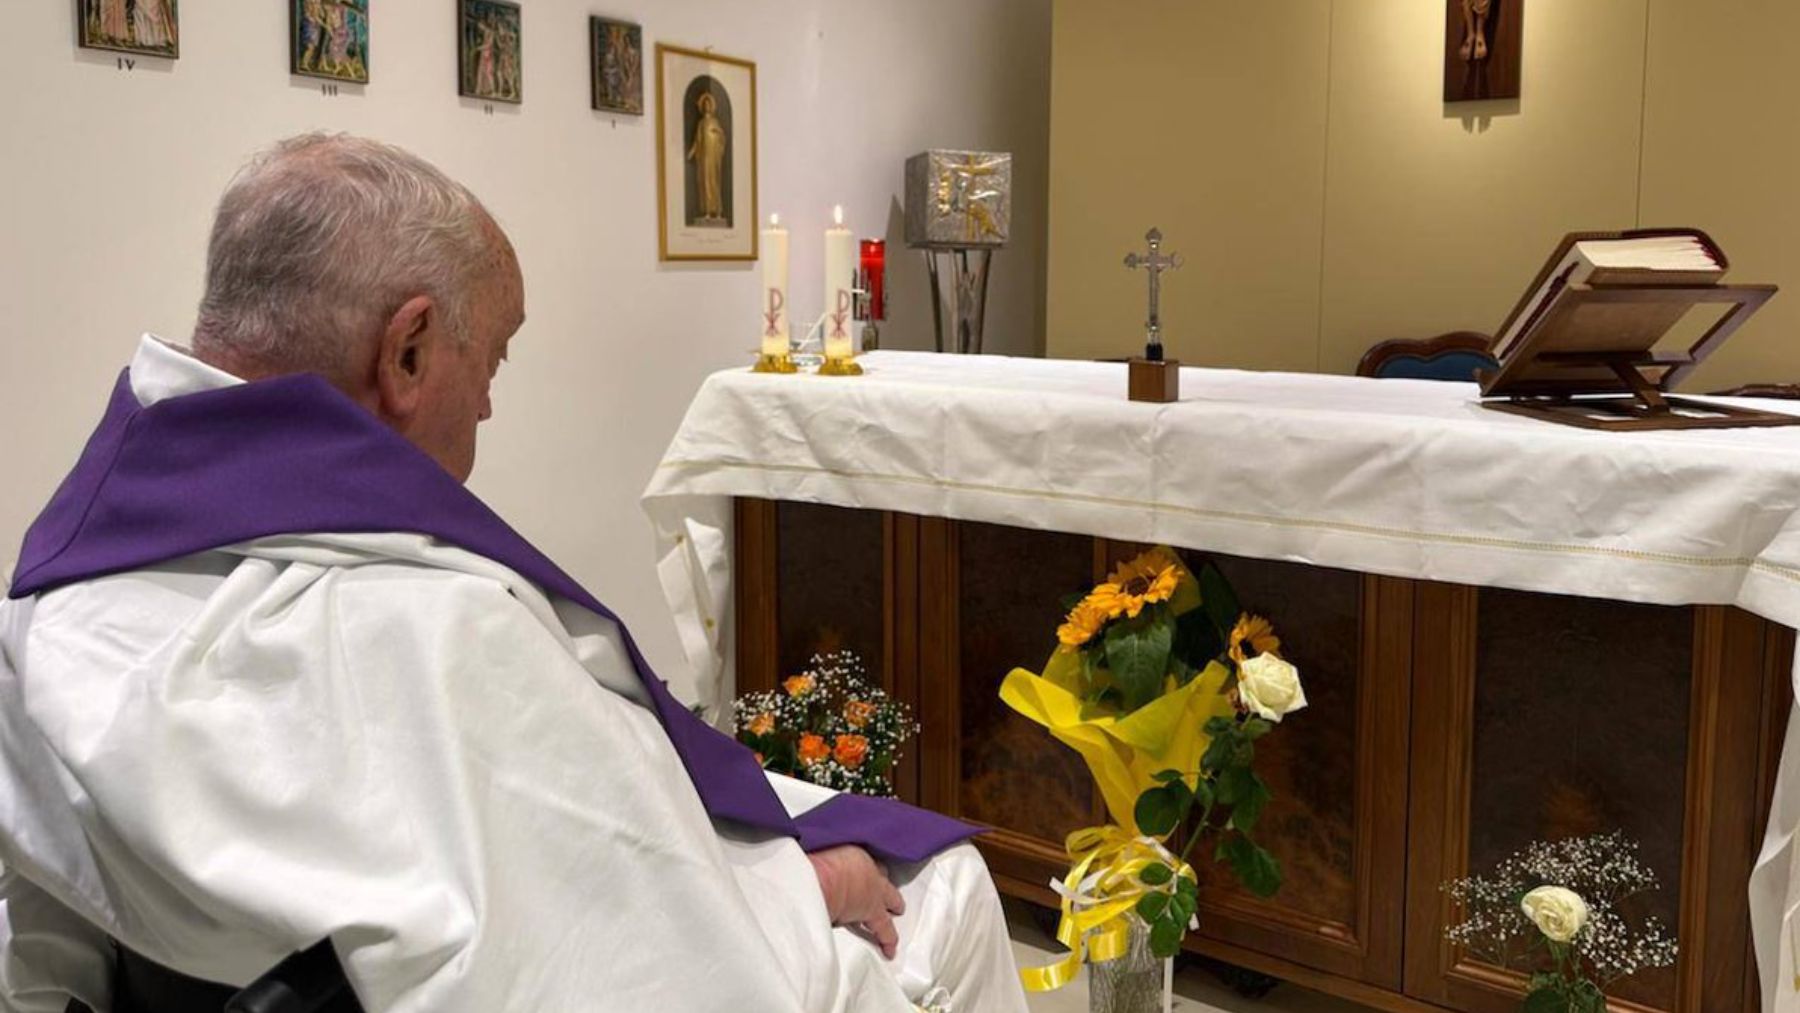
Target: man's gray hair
(321, 238)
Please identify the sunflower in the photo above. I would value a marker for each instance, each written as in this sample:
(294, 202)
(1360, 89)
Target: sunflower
(1258, 633)
(1083, 624)
(1146, 580)
(1107, 600)
(1148, 565)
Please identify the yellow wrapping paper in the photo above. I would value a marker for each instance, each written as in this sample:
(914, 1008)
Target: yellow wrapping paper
(1122, 752)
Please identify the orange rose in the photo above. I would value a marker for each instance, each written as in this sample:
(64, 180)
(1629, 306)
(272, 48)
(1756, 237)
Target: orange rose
(859, 712)
(759, 759)
(851, 750)
(813, 748)
(762, 724)
(798, 685)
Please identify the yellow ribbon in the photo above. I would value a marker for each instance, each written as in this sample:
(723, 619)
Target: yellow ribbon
(1098, 896)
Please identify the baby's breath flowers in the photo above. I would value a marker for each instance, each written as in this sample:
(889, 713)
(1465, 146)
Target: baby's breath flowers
(829, 725)
(1559, 904)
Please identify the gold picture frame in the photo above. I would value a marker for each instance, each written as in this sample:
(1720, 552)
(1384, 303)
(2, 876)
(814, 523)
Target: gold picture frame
(148, 28)
(708, 210)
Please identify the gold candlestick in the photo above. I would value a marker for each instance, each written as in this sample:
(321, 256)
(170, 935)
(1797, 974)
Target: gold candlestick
(766, 363)
(840, 356)
(840, 367)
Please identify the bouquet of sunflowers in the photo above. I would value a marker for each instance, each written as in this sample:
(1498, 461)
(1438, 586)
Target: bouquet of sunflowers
(827, 725)
(1163, 685)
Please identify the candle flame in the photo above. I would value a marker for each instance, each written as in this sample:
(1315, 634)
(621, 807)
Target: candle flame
(774, 221)
(837, 213)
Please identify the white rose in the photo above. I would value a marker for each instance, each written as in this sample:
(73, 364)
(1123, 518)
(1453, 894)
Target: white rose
(1558, 912)
(1270, 687)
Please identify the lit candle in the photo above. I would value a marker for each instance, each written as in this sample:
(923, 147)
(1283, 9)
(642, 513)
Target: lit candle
(840, 281)
(775, 288)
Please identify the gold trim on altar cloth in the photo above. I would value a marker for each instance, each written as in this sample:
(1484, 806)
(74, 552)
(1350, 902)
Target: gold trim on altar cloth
(1791, 574)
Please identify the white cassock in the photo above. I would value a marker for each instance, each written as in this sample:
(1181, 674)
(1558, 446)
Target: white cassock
(408, 748)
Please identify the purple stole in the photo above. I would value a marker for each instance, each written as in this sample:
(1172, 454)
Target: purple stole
(293, 455)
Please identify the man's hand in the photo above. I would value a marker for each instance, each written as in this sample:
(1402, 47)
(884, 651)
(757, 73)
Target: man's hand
(859, 894)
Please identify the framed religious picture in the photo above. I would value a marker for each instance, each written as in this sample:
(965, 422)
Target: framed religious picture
(1482, 49)
(329, 39)
(616, 55)
(145, 27)
(489, 55)
(705, 155)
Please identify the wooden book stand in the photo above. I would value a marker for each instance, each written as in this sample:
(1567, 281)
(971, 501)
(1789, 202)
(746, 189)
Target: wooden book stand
(1589, 358)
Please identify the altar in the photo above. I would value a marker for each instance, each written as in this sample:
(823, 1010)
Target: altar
(1510, 631)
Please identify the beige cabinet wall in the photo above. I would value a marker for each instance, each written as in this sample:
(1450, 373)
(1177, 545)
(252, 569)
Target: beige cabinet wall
(1299, 154)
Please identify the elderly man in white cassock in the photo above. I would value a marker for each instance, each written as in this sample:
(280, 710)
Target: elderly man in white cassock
(269, 675)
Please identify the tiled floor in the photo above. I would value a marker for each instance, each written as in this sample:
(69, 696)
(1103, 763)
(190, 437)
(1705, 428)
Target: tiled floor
(1196, 991)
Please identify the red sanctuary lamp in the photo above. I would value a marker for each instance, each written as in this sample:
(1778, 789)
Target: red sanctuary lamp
(871, 291)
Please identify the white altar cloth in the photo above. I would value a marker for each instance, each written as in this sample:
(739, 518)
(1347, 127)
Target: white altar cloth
(1406, 478)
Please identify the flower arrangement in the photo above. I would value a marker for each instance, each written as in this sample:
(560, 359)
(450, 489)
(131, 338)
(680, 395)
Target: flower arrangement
(1163, 685)
(1555, 911)
(828, 725)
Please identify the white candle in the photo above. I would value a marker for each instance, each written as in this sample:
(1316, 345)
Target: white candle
(775, 288)
(840, 281)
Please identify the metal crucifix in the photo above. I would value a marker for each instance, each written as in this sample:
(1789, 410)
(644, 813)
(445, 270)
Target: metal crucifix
(1156, 262)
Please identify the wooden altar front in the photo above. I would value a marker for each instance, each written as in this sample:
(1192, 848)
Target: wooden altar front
(1448, 726)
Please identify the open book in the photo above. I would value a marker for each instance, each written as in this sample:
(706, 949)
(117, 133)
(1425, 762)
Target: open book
(1665, 257)
(1581, 346)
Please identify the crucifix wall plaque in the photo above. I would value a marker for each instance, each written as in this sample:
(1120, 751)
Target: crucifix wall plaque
(1482, 49)
(1152, 377)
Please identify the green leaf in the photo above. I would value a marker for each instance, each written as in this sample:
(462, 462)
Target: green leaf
(1203, 794)
(1182, 671)
(1156, 874)
(1161, 810)
(1218, 599)
(1197, 643)
(1253, 867)
(1165, 937)
(1151, 906)
(1216, 727)
(1137, 654)
(1588, 998)
(1256, 728)
(1231, 785)
(1181, 908)
(1165, 776)
(1219, 751)
(1252, 796)
(1547, 999)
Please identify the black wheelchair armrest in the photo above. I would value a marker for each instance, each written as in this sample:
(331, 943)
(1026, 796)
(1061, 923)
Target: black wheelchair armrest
(310, 981)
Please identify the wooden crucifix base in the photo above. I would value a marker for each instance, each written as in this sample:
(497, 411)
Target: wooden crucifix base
(1156, 381)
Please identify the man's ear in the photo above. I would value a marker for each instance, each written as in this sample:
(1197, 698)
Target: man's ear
(404, 357)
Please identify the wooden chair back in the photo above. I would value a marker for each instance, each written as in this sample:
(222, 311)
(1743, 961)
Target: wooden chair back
(1454, 356)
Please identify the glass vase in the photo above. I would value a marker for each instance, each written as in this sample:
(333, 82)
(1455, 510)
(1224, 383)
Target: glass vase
(1135, 982)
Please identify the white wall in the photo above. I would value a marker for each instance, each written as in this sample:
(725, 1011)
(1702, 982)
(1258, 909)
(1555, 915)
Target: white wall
(108, 179)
